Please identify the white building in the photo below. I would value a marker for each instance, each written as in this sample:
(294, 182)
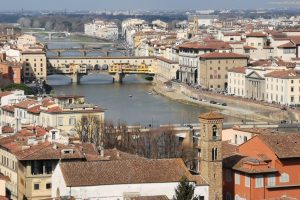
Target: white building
(283, 87)
(26, 41)
(102, 29)
(11, 97)
(121, 179)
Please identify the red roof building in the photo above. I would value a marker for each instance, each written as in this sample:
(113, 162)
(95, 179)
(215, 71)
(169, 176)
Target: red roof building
(265, 167)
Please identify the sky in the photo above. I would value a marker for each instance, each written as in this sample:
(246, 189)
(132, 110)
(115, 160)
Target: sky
(143, 4)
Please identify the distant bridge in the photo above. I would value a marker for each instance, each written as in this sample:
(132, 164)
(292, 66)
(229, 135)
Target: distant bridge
(118, 67)
(50, 33)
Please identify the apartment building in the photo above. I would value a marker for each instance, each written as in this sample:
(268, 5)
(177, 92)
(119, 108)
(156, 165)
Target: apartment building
(264, 167)
(29, 158)
(34, 64)
(102, 29)
(283, 87)
(213, 69)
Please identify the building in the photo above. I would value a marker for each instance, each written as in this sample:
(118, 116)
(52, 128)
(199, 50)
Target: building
(210, 152)
(282, 87)
(30, 156)
(11, 97)
(10, 72)
(26, 41)
(107, 180)
(102, 29)
(264, 167)
(213, 69)
(167, 69)
(34, 64)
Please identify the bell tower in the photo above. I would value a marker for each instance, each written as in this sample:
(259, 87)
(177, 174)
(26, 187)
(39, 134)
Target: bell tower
(210, 165)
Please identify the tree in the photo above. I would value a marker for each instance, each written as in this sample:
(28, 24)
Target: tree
(89, 129)
(185, 190)
(27, 90)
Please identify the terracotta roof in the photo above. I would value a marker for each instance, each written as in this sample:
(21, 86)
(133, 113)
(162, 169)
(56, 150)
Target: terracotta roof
(166, 60)
(231, 34)
(249, 47)
(48, 151)
(287, 45)
(34, 109)
(295, 39)
(8, 108)
(3, 94)
(228, 149)
(240, 70)
(256, 34)
(78, 174)
(256, 131)
(25, 104)
(284, 74)
(7, 129)
(211, 115)
(284, 145)
(115, 154)
(150, 198)
(68, 96)
(215, 55)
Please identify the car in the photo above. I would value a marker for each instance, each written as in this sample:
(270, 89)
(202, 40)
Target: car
(283, 122)
(224, 104)
(213, 102)
(283, 108)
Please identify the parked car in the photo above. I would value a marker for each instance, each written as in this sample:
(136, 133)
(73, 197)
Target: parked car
(213, 102)
(224, 104)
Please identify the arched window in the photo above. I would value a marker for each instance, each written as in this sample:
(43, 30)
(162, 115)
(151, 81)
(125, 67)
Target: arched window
(214, 132)
(214, 154)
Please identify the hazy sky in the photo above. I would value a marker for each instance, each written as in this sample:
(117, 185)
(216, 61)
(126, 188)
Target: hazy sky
(141, 4)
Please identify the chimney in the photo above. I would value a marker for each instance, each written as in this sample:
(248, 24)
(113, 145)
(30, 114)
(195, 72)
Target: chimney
(54, 146)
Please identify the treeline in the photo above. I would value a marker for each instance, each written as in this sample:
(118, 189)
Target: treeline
(155, 144)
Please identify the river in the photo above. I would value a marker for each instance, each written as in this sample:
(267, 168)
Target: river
(142, 108)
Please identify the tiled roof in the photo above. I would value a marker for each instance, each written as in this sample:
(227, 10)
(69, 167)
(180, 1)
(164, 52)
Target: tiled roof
(25, 104)
(228, 149)
(211, 115)
(3, 94)
(166, 60)
(231, 34)
(240, 70)
(8, 108)
(192, 45)
(7, 129)
(284, 145)
(295, 39)
(216, 55)
(48, 151)
(249, 47)
(256, 34)
(78, 174)
(150, 198)
(115, 154)
(284, 74)
(34, 109)
(287, 45)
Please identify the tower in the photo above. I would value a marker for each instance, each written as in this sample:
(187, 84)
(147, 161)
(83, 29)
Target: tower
(210, 165)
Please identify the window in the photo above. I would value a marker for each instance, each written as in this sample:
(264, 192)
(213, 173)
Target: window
(259, 181)
(247, 181)
(48, 185)
(284, 178)
(228, 196)
(271, 180)
(214, 132)
(60, 121)
(214, 154)
(292, 89)
(292, 99)
(36, 186)
(228, 175)
(236, 179)
(245, 138)
(72, 121)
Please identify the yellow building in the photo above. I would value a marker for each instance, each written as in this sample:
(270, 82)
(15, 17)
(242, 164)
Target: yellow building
(34, 64)
(213, 69)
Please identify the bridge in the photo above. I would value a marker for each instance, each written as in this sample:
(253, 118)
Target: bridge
(50, 33)
(117, 67)
(85, 50)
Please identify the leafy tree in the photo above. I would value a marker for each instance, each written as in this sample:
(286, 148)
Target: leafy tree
(27, 90)
(185, 190)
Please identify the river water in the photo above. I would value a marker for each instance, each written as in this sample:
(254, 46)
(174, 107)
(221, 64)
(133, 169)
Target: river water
(142, 108)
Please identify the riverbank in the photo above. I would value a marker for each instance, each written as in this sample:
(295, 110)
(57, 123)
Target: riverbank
(246, 111)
